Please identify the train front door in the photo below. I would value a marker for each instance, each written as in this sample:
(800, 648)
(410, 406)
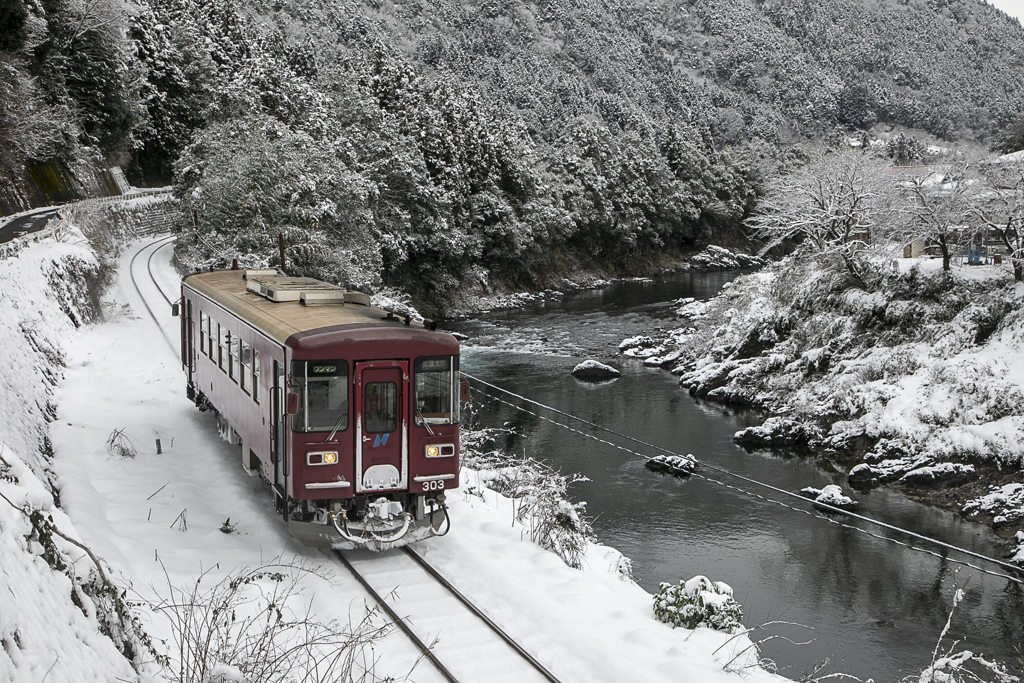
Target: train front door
(382, 425)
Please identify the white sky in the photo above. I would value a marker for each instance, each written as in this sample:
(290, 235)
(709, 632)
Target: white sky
(1015, 8)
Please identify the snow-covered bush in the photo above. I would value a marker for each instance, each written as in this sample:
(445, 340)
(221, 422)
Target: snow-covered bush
(698, 602)
(255, 626)
(539, 493)
(964, 666)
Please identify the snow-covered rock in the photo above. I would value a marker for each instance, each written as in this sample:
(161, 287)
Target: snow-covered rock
(945, 473)
(1018, 554)
(875, 472)
(719, 258)
(679, 465)
(644, 353)
(1005, 504)
(591, 369)
(692, 309)
(831, 496)
(640, 342)
(776, 432)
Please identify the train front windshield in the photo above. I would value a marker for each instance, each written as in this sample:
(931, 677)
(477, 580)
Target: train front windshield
(437, 391)
(322, 387)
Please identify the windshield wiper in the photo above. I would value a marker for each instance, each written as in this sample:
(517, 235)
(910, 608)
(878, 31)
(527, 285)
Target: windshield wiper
(337, 426)
(424, 421)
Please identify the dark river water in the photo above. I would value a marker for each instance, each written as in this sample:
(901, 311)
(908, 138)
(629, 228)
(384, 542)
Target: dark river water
(869, 607)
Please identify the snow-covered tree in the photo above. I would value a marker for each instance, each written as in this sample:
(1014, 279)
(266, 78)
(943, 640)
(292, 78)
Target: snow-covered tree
(833, 204)
(1011, 138)
(906, 150)
(939, 206)
(999, 207)
(241, 183)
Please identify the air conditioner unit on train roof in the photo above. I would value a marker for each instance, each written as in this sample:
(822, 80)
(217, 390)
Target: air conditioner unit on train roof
(305, 289)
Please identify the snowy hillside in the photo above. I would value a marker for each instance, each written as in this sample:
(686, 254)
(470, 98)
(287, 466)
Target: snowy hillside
(174, 524)
(913, 378)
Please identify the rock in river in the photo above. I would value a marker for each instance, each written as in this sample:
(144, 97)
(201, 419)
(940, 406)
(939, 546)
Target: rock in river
(679, 465)
(832, 496)
(591, 369)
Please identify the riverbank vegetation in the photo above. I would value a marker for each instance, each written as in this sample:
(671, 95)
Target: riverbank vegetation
(897, 370)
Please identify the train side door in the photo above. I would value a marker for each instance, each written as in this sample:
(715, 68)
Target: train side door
(277, 418)
(191, 342)
(382, 425)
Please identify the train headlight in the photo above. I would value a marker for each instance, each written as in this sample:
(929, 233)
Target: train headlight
(322, 458)
(441, 450)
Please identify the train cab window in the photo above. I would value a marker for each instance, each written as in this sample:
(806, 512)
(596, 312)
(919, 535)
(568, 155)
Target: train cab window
(322, 387)
(380, 407)
(245, 372)
(256, 375)
(202, 333)
(436, 390)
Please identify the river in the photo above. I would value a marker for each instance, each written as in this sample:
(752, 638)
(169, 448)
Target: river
(858, 604)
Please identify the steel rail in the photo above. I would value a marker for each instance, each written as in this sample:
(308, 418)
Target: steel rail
(475, 610)
(398, 621)
(444, 583)
(149, 267)
(131, 274)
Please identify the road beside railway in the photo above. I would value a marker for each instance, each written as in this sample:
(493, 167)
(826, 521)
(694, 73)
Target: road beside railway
(27, 223)
(181, 507)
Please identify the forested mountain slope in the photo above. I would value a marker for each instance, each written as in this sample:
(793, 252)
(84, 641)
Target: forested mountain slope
(443, 145)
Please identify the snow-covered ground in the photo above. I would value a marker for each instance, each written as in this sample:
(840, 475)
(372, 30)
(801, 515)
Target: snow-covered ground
(163, 520)
(44, 635)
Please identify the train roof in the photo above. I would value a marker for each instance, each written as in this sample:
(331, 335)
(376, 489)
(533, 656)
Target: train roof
(302, 305)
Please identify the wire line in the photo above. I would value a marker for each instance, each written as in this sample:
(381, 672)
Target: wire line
(755, 482)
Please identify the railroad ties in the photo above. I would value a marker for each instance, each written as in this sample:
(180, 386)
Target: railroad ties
(464, 643)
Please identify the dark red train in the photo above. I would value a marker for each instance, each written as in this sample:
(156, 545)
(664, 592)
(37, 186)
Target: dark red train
(349, 412)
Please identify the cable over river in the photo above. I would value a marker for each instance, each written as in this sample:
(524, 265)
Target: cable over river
(870, 607)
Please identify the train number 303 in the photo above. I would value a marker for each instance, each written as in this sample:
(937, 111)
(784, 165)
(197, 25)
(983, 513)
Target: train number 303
(433, 485)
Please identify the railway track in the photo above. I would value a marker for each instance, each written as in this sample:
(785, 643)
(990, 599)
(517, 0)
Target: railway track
(456, 636)
(458, 639)
(143, 279)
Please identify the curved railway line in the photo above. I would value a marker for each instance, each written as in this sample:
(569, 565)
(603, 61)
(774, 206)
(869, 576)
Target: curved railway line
(453, 634)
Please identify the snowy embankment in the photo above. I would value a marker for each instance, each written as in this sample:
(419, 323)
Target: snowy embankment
(163, 521)
(909, 376)
(53, 615)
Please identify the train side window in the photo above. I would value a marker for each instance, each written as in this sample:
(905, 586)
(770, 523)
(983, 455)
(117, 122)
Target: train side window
(245, 372)
(256, 375)
(222, 349)
(202, 333)
(322, 387)
(210, 329)
(233, 367)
